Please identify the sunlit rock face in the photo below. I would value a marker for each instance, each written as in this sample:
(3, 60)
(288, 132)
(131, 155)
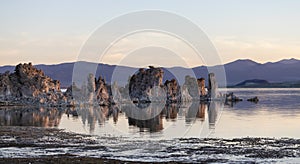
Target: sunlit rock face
(93, 92)
(141, 84)
(201, 86)
(143, 81)
(185, 96)
(29, 85)
(193, 89)
(173, 91)
(102, 92)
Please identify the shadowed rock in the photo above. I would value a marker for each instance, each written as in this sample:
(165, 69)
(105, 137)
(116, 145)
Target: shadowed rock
(141, 83)
(254, 99)
(212, 86)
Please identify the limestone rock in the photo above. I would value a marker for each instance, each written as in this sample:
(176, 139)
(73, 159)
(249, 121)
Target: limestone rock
(102, 92)
(201, 86)
(93, 92)
(172, 91)
(253, 99)
(115, 93)
(212, 85)
(185, 96)
(28, 85)
(192, 87)
(141, 83)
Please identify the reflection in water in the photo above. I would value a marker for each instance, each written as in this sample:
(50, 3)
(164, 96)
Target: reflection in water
(95, 117)
(244, 119)
(170, 111)
(196, 110)
(213, 111)
(92, 116)
(146, 119)
(152, 125)
(201, 112)
(41, 117)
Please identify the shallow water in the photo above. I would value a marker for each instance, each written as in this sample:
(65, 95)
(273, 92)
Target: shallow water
(277, 114)
(159, 135)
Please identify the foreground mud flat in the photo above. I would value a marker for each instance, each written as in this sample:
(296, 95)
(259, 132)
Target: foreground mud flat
(51, 145)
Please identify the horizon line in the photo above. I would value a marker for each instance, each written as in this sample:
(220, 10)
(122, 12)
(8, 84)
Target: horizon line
(70, 62)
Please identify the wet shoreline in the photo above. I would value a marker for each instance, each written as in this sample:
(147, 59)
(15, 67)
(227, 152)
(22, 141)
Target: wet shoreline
(61, 159)
(39, 145)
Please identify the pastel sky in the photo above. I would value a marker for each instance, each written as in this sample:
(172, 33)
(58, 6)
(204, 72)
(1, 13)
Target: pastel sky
(50, 32)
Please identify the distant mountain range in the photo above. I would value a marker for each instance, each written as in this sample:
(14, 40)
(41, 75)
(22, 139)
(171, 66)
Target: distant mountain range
(258, 83)
(287, 70)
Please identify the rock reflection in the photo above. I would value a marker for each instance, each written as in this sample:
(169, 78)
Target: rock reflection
(40, 117)
(92, 115)
(147, 120)
(201, 111)
(213, 110)
(194, 112)
(171, 111)
(152, 125)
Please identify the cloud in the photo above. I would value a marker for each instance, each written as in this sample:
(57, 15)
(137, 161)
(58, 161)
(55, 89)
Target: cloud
(40, 49)
(258, 49)
(142, 40)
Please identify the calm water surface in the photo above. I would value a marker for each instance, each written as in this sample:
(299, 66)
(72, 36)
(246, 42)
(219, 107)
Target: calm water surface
(124, 137)
(277, 114)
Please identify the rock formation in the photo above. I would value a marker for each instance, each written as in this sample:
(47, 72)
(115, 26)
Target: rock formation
(103, 94)
(212, 85)
(192, 87)
(201, 87)
(141, 83)
(195, 87)
(253, 99)
(173, 91)
(185, 96)
(93, 92)
(115, 93)
(28, 85)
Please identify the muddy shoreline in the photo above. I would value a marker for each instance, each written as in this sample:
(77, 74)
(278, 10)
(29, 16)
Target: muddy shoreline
(52, 145)
(61, 159)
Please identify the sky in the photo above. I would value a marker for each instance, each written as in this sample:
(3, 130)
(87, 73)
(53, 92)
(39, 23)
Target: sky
(52, 32)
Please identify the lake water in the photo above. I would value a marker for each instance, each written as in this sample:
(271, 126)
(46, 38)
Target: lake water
(276, 115)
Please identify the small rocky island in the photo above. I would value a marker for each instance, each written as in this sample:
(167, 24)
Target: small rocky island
(28, 85)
